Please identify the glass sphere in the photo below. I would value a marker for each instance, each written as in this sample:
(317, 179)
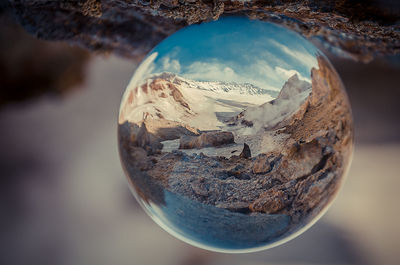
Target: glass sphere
(235, 135)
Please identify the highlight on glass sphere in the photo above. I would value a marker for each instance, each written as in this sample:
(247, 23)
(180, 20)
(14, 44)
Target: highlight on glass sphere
(235, 135)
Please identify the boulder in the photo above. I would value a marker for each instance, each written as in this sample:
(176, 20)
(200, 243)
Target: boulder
(169, 130)
(271, 201)
(262, 164)
(302, 160)
(208, 139)
(139, 159)
(147, 141)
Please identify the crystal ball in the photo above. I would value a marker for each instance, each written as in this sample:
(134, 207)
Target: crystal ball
(235, 135)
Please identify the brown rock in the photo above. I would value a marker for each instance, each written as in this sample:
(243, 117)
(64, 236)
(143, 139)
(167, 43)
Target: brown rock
(301, 160)
(270, 202)
(169, 130)
(148, 142)
(208, 139)
(262, 164)
(139, 159)
(187, 142)
(316, 191)
(199, 188)
(142, 137)
(351, 29)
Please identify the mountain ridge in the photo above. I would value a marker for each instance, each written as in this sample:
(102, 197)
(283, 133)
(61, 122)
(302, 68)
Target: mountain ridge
(217, 86)
(172, 97)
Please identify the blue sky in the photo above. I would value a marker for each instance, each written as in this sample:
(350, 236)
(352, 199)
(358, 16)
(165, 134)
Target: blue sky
(234, 49)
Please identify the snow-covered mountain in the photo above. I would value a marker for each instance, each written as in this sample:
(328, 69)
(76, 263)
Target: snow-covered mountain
(293, 87)
(171, 97)
(271, 114)
(229, 87)
(217, 86)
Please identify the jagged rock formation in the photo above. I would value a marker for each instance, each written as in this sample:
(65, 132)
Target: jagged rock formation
(356, 29)
(292, 87)
(138, 136)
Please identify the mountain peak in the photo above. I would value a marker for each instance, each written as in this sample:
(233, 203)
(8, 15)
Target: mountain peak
(293, 86)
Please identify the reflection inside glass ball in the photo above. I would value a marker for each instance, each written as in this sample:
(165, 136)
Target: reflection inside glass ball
(235, 135)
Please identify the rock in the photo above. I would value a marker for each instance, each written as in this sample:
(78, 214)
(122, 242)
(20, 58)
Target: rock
(139, 159)
(270, 202)
(142, 137)
(199, 188)
(298, 115)
(326, 108)
(208, 139)
(247, 123)
(292, 87)
(301, 159)
(187, 142)
(147, 141)
(262, 164)
(246, 153)
(347, 28)
(315, 191)
(169, 130)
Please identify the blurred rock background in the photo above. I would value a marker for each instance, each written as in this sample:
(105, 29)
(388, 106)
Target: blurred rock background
(30, 67)
(64, 198)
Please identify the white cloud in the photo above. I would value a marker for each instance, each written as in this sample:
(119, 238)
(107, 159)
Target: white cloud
(304, 58)
(269, 77)
(260, 73)
(211, 71)
(172, 66)
(286, 74)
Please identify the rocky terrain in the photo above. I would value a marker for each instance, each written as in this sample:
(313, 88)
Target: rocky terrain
(297, 178)
(352, 29)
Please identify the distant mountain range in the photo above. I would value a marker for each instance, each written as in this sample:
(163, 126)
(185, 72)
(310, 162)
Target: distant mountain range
(218, 86)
